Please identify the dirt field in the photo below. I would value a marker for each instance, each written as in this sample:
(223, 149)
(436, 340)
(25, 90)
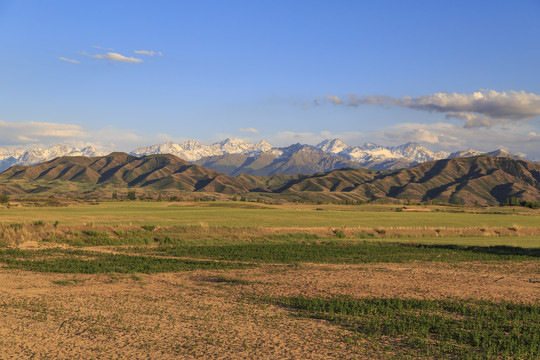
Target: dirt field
(222, 314)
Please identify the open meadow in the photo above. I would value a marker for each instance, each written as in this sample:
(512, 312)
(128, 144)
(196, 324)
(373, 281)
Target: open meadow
(252, 280)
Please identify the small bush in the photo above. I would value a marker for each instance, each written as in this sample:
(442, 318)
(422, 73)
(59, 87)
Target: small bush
(149, 228)
(339, 233)
(39, 223)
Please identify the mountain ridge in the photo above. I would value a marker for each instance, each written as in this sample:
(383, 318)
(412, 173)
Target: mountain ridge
(335, 152)
(484, 180)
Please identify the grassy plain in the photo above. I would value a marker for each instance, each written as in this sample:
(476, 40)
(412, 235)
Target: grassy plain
(251, 280)
(243, 214)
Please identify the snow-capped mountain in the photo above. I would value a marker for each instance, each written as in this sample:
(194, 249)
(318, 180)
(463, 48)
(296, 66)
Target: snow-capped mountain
(465, 153)
(193, 150)
(10, 157)
(368, 155)
(418, 152)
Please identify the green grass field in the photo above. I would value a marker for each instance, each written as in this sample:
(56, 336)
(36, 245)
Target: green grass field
(235, 214)
(432, 328)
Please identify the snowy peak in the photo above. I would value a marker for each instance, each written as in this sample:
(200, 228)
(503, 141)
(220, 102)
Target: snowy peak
(370, 152)
(506, 154)
(332, 146)
(368, 155)
(370, 146)
(263, 146)
(465, 153)
(417, 152)
(36, 155)
(192, 150)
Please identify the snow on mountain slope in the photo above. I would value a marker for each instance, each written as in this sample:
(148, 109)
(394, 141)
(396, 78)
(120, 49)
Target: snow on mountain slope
(370, 152)
(418, 152)
(368, 155)
(333, 146)
(465, 153)
(193, 150)
(10, 157)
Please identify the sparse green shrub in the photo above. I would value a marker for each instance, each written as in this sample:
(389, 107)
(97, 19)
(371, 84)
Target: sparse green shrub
(340, 234)
(16, 226)
(120, 233)
(149, 228)
(39, 223)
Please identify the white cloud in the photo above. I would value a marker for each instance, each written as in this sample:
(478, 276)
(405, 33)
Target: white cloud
(480, 109)
(15, 133)
(334, 99)
(250, 130)
(148, 52)
(68, 60)
(115, 57)
(473, 120)
(450, 137)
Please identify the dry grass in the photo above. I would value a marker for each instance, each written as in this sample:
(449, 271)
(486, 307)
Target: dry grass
(217, 314)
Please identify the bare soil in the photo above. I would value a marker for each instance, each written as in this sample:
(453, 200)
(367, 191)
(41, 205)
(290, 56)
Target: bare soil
(220, 314)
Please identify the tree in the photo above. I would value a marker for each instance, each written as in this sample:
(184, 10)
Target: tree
(4, 199)
(115, 195)
(131, 195)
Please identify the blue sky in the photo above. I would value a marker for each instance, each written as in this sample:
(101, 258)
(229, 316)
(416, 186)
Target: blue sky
(124, 74)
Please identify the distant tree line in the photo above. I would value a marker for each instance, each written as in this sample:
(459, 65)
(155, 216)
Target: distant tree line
(512, 201)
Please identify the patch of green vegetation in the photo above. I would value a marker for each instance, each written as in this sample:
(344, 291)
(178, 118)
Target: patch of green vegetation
(340, 234)
(227, 280)
(67, 282)
(149, 228)
(86, 262)
(292, 237)
(461, 329)
(16, 226)
(335, 252)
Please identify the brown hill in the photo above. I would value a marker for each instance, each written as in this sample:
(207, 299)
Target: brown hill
(122, 170)
(484, 179)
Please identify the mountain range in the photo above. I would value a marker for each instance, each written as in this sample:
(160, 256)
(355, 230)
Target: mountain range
(484, 180)
(238, 156)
